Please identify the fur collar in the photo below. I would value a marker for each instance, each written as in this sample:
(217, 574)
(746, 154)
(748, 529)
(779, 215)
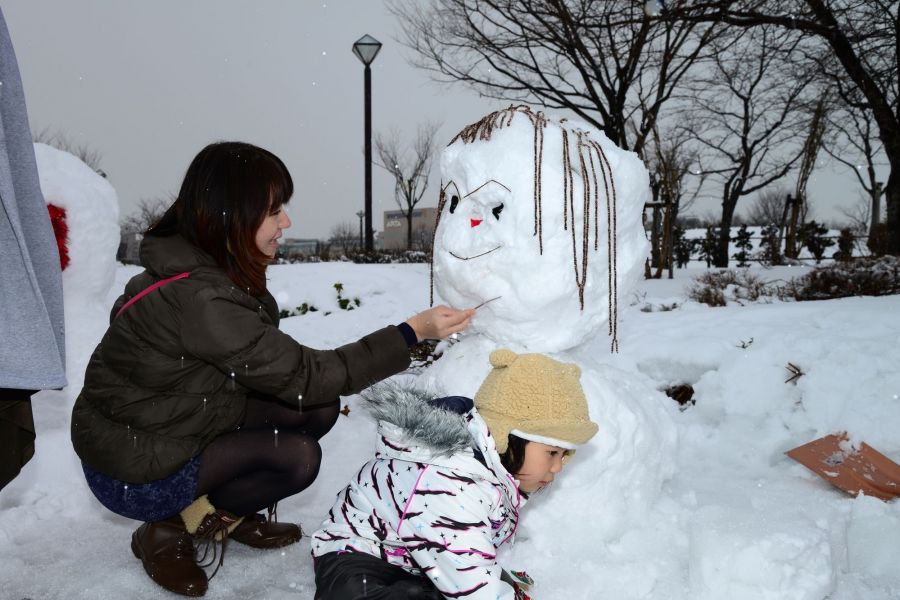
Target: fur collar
(407, 408)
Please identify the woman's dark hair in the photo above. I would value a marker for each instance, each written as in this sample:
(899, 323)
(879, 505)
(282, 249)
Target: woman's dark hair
(514, 457)
(228, 190)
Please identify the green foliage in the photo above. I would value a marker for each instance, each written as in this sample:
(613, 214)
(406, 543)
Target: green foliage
(708, 245)
(845, 245)
(771, 246)
(300, 310)
(744, 244)
(683, 248)
(345, 303)
(812, 235)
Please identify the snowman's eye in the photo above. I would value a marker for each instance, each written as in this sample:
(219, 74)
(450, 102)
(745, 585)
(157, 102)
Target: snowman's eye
(497, 210)
(454, 201)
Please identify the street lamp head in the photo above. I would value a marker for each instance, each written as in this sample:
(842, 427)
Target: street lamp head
(366, 49)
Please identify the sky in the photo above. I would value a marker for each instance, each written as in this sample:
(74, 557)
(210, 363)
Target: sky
(148, 84)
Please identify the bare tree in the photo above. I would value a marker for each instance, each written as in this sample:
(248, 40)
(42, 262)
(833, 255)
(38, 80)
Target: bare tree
(345, 236)
(858, 215)
(410, 170)
(669, 160)
(746, 114)
(811, 147)
(857, 147)
(614, 64)
(61, 141)
(149, 211)
(858, 48)
(767, 207)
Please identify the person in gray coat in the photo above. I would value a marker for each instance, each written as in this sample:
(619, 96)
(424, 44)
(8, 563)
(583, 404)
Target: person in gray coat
(32, 346)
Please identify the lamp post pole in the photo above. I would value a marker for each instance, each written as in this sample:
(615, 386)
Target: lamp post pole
(361, 214)
(366, 48)
(370, 242)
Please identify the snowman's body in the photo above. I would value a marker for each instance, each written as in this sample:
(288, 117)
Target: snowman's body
(541, 220)
(91, 213)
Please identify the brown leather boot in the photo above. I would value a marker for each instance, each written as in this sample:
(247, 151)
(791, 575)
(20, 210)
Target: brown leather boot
(166, 550)
(259, 532)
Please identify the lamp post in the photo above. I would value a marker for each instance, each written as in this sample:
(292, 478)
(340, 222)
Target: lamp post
(361, 214)
(366, 49)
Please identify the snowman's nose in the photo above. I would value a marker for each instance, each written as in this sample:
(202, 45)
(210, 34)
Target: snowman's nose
(475, 222)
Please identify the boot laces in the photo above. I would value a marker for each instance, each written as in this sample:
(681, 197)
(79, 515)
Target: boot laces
(212, 535)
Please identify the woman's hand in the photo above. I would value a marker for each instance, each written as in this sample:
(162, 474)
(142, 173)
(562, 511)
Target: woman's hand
(439, 322)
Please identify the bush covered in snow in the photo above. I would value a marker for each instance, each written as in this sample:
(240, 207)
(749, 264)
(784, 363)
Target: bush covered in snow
(718, 288)
(862, 277)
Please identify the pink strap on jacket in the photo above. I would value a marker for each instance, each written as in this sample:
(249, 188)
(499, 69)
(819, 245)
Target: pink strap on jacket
(149, 289)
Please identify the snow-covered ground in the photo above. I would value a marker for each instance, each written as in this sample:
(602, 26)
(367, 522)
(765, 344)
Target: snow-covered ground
(737, 520)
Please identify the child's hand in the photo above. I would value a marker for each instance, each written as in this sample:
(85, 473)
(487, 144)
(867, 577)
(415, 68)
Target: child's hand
(520, 581)
(439, 322)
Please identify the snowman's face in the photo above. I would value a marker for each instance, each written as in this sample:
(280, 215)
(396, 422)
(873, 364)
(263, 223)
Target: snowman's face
(497, 248)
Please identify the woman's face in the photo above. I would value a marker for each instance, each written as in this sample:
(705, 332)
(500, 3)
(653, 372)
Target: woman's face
(541, 464)
(268, 233)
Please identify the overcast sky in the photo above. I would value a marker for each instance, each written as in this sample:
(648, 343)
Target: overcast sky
(147, 84)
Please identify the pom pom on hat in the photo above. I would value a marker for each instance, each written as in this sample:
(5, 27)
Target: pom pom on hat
(537, 396)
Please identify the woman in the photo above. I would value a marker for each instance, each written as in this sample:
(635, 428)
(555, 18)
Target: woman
(197, 412)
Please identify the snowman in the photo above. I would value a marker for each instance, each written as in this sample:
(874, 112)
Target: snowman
(539, 226)
(84, 209)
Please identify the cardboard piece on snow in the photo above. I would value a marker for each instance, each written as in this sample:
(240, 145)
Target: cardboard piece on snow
(853, 470)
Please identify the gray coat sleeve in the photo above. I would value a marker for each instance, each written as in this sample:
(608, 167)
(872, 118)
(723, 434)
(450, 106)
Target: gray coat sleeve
(32, 355)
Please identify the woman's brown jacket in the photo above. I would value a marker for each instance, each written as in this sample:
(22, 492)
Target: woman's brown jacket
(173, 371)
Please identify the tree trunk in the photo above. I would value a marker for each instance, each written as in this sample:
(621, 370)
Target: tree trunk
(792, 247)
(409, 220)
(728, 206)
(892, 201)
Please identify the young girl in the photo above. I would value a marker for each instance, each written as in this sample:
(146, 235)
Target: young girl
(424, 518)
(197, 412)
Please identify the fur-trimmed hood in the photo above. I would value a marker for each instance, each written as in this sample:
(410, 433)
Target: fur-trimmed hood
(421, 418)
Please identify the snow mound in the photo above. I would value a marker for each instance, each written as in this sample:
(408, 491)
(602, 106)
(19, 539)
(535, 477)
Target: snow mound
(92, 214)
(745, 555)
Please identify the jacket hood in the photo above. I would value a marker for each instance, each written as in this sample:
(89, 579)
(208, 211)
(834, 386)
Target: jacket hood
(420, 420)
(167, 256)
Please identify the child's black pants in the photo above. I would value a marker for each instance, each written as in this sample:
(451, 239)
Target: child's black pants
(360, 576)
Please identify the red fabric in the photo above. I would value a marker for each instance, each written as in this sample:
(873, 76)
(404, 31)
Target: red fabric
(61, 231)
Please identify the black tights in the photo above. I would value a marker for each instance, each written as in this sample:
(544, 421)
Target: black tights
(247, 470)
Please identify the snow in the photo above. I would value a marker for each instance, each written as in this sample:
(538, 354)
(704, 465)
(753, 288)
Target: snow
(736, 519)
(662, 504)
(486, 250)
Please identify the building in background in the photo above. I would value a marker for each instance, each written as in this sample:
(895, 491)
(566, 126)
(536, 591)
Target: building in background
(129, 252)
(394, 237)
(293, 248)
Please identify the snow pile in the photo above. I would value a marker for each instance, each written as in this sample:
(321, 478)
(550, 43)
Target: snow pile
(732, 490)
(92, 215)
(743, 555)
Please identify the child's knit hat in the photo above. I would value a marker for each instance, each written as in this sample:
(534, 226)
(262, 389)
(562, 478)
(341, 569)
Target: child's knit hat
(535, 398)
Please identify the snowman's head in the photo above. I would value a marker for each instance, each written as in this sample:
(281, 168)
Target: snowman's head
(540, 220)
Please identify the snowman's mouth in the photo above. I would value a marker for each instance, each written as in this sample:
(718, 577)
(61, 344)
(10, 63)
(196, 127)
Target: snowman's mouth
(473, 257)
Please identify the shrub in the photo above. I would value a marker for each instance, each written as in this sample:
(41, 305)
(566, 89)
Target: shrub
(744, 244)
(862, 277)
(771, 246)
(717, 288)
(812, 235)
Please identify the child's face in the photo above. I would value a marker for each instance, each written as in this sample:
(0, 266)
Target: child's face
(541, 464)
